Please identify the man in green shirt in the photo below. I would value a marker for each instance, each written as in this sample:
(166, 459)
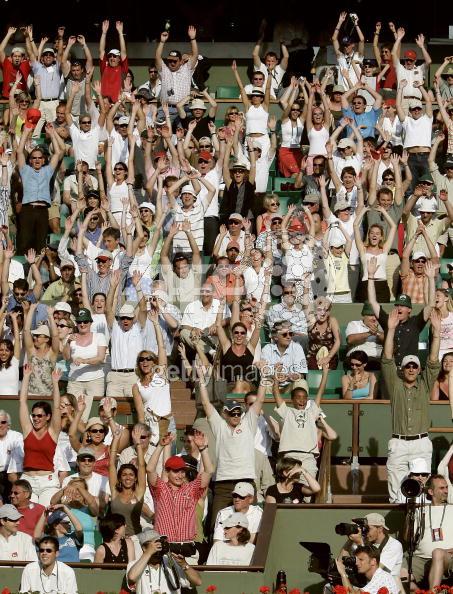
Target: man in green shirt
(61, 288)
(409, 396)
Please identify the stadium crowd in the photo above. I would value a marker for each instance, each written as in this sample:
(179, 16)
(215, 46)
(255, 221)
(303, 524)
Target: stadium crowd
(140, 244)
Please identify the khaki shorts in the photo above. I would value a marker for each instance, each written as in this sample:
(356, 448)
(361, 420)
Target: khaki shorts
(421, 567)
(120, 384)
(54, 212)
(90, 389)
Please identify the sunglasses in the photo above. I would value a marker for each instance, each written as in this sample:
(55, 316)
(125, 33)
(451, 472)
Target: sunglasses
(141, 359)
(236, 496)
(202, 160)
(37, 416)
(205, 146)
(152, 71)
(388, 178)
(235, 414)
(119, 168)
(83, 322)
(420, 260)
(62, 326)
(295, 109)
(424, 474)
(411, 366)
(86, 459)
(5, 423)
(286, 334)
(356, 364)
(239, 333)
(234, 222)
(275, 204)
(47, 550)
(125, 318)
(86, 122)
(20, 293)
(233, 113)
(172, 61)
(96, 430)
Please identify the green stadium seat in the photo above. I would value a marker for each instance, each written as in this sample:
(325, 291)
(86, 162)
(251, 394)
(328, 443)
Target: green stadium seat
(278, 181)
(230, 92)
(333, 387)
(20, 259)
(269, 185)
(444, 267)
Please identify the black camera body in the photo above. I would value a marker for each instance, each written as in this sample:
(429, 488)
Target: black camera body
(165, 545)
(359, 526)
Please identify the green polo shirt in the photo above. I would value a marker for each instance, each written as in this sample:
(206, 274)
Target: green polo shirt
(410, 406)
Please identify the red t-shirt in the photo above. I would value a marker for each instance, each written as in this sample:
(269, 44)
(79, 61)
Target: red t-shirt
(31, 515)
(112, 78)
(9, 76)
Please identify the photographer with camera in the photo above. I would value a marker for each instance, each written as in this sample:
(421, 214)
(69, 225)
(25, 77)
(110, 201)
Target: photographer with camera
(414, 485)
(367, 563)
(158, 570)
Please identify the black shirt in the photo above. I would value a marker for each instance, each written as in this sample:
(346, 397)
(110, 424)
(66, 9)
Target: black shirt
(294, 496)
(406, 335)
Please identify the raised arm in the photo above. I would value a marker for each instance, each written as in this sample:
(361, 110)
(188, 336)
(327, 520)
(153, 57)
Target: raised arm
(24, 415)
(336, 46)
(372, 267)
(399, 100)
(396, 49)
(105, 28)
(245, 99)
(376, 51)
(55, 421)
(192, 33)
(420, 41)
(151, 473)
(11, 31)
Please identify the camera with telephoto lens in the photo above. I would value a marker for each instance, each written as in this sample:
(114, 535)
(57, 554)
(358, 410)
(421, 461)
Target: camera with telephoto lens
(359, 526)
(323, 563)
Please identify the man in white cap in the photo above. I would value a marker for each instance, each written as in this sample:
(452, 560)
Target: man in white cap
(126, 341)
(48, 68)
(419, 471)
(14, 545)
(156, 570)
(63, 287)
(410, 397)
(98, 485)
(435, 226)
(201, 117)
(348, 153)
(13, 64)
(115, 67)
(417, 128)
(169, 320)
(390, 549)
(243, 496)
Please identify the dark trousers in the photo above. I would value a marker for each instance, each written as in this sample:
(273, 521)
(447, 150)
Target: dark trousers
(211, 230)
(418, 164)
(33, 227)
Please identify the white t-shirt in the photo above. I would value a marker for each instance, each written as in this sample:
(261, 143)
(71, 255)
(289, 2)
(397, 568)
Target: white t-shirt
(235, 447)
(416, 74)
(18, 547)
(9, 379)
(223, 553)
(125, 346)
(85, 144)
(153, 580)
(371, 346)
(277, 75)
(417, 132)
(433, 519)
(381, 579)
(345, 63)
(156, 396)
(61, 579)
(96, 484)
(392, 556)
(11, 452)
(86, 371)
(253, 515)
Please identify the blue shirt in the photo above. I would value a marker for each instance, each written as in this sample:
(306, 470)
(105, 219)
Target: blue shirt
(69, 548)
(36, 184)
(367, 119)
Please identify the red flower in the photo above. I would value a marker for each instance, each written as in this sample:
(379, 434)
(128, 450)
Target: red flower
(383, 590)
(340, 590)
(211, 588)
(294, 591)
(6, 591)
(265, 589)
(124, 592)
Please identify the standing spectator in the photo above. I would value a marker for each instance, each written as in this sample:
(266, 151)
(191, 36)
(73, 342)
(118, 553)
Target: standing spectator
(283, 350)
(9, 359)
(13, 64)
(86, 353)
(36, 176)
(235, 444)
(48, 67)
(417, 128)
(176, 499)
(345, 52)
(364, 120)
(115, 67)
(413, 75)
(271, 66)
(47, 574)
(15, 545)
(75, 71)
(365, 335)
(40, 439)
(409, 398)
(153, 85)
(176, 75)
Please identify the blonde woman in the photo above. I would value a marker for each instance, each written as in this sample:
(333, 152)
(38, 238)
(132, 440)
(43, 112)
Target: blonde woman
(444, 305)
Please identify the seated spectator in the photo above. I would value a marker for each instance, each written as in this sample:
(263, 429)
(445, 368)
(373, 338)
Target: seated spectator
(288, 487)
(236, 548)
(115, 547)
(243, 496)
(61, 523)
(359, 383)
(440, 389)
(291, 311)
(47, 574)
(21, 493)
(365, 335)
(85, 508)
(11, 455)
(286, 353)
(94, 433)
(15, 545)
(97, 484)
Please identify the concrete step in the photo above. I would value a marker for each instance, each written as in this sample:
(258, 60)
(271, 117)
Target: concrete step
(372, 480)
(180, 394)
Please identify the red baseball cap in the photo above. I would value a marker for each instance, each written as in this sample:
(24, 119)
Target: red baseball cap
(410, 54)
(175, 463)
(32, 118)
(205, 155)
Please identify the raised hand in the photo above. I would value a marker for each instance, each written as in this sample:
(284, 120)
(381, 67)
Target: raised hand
(372, 265)
(81, 404)
(377, 27)
(436, 320)
(166, 439)
(192, 32)
(164, 36)
(60, 31)
(200, 439)
(420, 40)
(234, 66)
(393, 319)
(105, 26)
(400, 33)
